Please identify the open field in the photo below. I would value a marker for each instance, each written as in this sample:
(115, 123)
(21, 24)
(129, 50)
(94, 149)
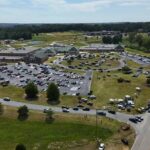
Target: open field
(108, 87)
(135, 65)
(132, 64)
(134, 51)
(80, 63)
(17, 94)
(75, 38)
(66, 132)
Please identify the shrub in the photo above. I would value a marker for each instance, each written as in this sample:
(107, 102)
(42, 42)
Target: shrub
(120, 80)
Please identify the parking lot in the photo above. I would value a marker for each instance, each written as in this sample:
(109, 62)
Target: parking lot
(68, 83)
(137, 58)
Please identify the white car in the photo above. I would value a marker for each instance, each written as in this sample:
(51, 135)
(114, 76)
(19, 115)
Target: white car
(101, 146)
(65, 110)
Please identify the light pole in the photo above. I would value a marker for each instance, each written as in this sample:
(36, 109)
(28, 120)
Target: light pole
(96, 125)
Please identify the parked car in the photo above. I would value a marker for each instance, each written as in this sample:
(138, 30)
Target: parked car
(80, 106)
(124, 141)
(112, 112)
(92, 97)
(75, 108)
(101, 146)
(46, 110)
(139, 119)
(65, 107)
(133, 120)
(86, 109)
(101, 113)
(65, 110)
(6, 99)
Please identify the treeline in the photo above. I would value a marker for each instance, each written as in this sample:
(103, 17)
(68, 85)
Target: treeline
(25, 31)
(15, 34)
(112, 40)
(139, 41)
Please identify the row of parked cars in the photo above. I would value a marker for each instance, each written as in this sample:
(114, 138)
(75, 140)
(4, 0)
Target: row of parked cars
(67, 109)
(145, 60)
(42, 75)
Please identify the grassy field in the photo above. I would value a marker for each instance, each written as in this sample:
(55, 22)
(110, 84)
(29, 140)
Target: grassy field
(17, 94)
(108, 88)
(107, 64)
(76, 38)
(135, 65)
(134, 51)
(39, 134)
(51, 59)
(66, 132)
(132, 64)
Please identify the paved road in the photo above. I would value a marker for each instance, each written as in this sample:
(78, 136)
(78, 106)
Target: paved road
(119, 116)
(142, 141)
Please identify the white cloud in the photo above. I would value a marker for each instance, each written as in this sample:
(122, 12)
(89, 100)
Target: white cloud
(89, 5)
(5, 2)
(64, 11)
(92, 5)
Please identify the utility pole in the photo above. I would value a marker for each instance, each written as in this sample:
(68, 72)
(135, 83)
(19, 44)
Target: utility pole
(96, 125)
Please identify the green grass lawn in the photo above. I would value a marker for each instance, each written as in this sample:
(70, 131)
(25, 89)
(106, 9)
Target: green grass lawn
(39, 134)
(16, 93)
(135, 65)
(106, 65)
(132, 64)
(51, 59)
(135, 51)
(67, 131)
(76, 62)
(76, 38)
(110, 88)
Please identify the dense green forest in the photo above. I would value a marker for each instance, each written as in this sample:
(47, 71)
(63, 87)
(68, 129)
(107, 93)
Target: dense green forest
(138, 41)
(26, 30)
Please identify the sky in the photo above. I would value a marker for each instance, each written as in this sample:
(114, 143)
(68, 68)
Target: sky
(74, 11)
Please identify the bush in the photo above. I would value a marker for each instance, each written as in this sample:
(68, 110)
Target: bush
(49, 116)
(90, 93)
(120, 80)
(1, 109)
(126, 70)
(148, 81)
(20, 147)
(148, 77)
(127, 81)
(23, 113)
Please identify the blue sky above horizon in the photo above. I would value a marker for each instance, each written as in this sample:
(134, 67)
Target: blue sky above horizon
(74, 11)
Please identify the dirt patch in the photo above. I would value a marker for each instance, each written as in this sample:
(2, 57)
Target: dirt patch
(117, 147)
